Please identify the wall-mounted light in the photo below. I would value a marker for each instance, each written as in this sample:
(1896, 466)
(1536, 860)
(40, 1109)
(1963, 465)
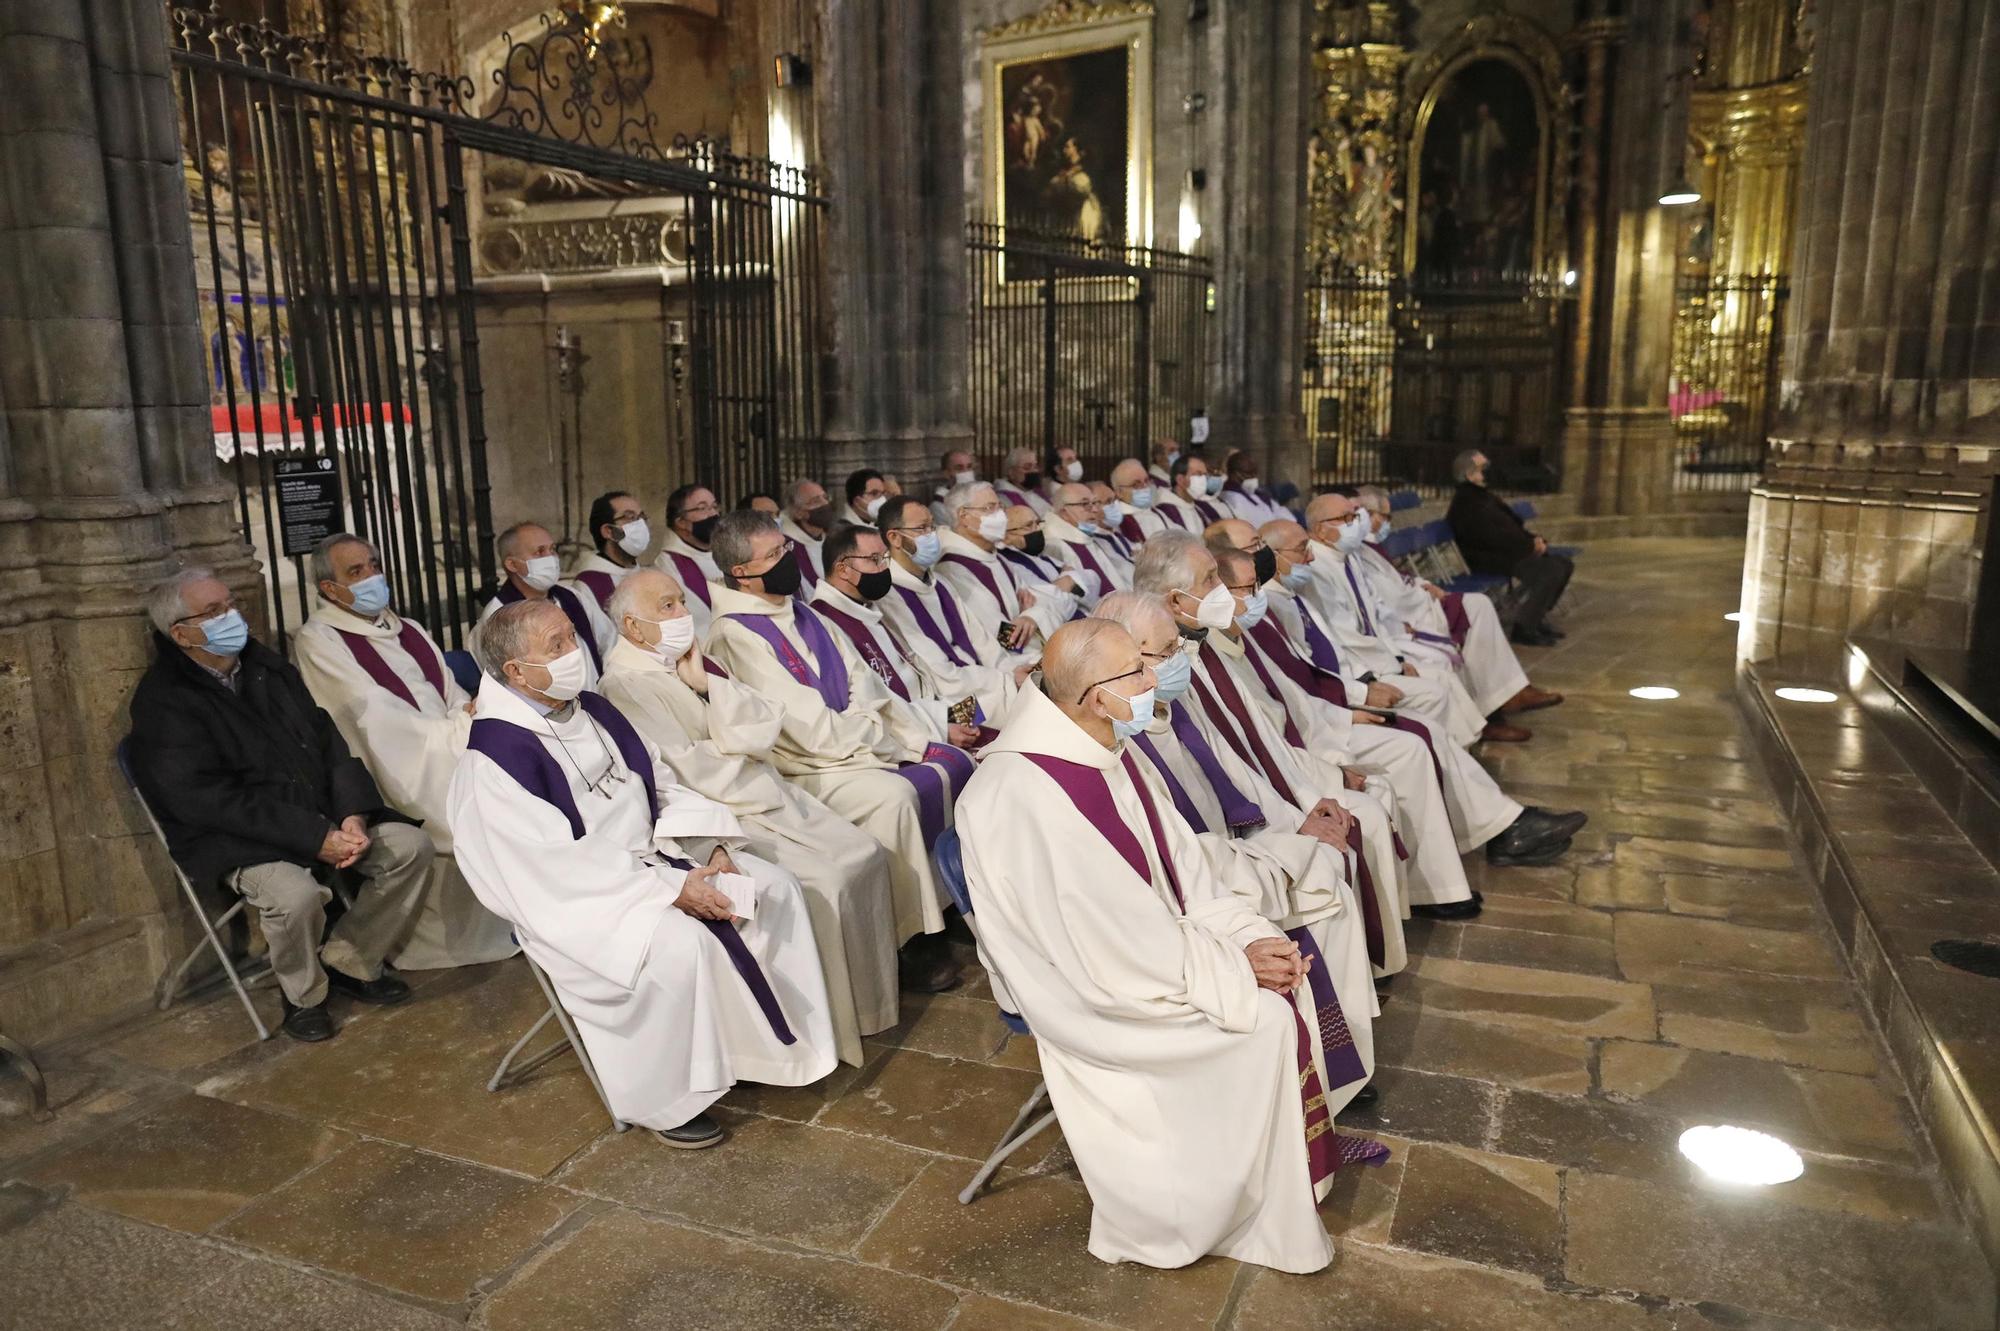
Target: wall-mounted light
(791, 71)
(1680, 194)
(1569, 277)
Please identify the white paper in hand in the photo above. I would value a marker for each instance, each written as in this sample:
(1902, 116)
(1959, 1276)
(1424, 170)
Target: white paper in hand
(741, 889)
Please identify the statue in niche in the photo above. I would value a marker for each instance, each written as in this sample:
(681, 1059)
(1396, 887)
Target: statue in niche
(1372, 206)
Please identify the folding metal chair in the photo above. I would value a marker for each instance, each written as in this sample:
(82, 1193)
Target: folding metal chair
(170, 984)
(507, 1070)
(951, 868)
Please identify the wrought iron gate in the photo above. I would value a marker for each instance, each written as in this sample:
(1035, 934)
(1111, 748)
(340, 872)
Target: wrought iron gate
(329, 193)
(1101, 348)
(1725, 350)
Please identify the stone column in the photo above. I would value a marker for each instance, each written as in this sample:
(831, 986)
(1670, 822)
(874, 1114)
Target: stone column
(1618, 445)
(1261, 73)
(1880, 474)
(110, 481)
(889, 125)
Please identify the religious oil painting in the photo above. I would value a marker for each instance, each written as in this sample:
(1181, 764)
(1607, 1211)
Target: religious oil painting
(1067, 124)
(1481, 154)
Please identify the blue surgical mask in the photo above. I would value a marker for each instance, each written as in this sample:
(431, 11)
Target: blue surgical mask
(1295, 578)
(929, 549)
(1254, 607)
(1351, 536)
(228, 634)
(1141, 704)
(1173, 677)
(1142, 498)
(1089, 528)
(1374, 535)
(1172, 458)
(371, 595)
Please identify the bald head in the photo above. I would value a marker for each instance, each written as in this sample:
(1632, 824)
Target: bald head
(1075, 492)
(1327, 508)
(1230, 534)
(1081, 654)
(1127, 475)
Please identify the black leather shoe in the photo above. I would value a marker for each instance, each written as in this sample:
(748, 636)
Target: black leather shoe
(1453, 910)
(1365, 1098)
(697, 1134)
(383, 990)
(308, 1025)
(1536, 637)
(1565, 825)
(1547, 852)
(926, 966)
(955, 927)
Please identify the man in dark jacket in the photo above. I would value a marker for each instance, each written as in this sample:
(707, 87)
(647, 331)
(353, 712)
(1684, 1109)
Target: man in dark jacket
(1493, 539)
(256, 790)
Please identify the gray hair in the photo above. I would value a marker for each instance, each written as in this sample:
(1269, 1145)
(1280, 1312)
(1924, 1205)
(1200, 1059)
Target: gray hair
(1373, 497)
(1016, 456)
(504, 635)
(322, 554)
(797, 488)
(166, 605)
(504, 543)
(1167, 563)
(733, 536)
(1134, 610)
(627, 592)
(959, 496)
(1461, 466)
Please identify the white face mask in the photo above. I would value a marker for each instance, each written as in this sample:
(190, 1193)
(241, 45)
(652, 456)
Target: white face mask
(1351, 536)
(1143, 497)
(1073, 472)
(964, 477)
(1114, 513)
(873, 506)
(993, 526)
(634, 537)
(569, 674)
(543, 572)
(1249, 485)
(676, 636)
(1217, 610)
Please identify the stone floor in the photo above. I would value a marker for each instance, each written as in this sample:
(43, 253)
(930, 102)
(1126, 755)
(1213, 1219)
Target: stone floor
(1538, 1066)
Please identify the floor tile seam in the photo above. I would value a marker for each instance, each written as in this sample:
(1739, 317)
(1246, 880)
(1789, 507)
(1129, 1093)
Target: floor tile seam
(18, 1166)
(296, 1176)
(1239, 1289)
(931, 1151)
(557, 1236)
(1787, 1064)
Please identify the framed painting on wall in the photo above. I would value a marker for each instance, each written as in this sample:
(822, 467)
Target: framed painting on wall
(1068, 123)
(1481, 153)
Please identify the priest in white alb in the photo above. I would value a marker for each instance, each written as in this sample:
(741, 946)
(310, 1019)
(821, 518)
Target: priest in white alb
(531, 570)
(687, 964)
(619, 535)
(384, 682)
(714, 733)
(692, 515)
(1076, 533)
(1018, 610)
(929, 617)
(1176, 1061)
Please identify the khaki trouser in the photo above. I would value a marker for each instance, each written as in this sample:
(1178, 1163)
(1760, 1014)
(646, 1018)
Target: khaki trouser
(291, 904)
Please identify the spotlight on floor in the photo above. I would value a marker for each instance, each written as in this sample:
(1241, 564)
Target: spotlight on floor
(1734, 616)
(1741, 1155)
(1806, 695)
(1655, 692)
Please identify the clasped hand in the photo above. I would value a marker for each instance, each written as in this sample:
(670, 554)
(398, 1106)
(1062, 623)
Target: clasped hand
(700, 897)
(345, 844)
(1277, 964)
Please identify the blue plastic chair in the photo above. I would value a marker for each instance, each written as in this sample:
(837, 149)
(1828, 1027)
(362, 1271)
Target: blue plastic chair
(464, 669)
(1404, 500)
(951, 868)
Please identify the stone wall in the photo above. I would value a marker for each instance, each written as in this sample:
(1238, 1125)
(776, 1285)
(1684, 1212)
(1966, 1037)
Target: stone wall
(1875, 504)
(107, 480)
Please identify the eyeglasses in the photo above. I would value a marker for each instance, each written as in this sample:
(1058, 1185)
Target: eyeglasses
(620, 519)
(981, 509)
(877, 561)
(924, 530)
(1112, 680)
(210, 613)
(1245, 590)
(700, 510)
(784, 553)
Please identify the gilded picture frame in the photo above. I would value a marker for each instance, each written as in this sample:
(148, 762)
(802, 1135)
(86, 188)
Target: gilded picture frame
(1067, 121)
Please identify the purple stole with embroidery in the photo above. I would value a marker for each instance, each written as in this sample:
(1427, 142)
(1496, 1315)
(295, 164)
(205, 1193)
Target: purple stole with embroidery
(411, 639)
(566, 601)
(959, 642)
(692, 578)
(1090, 792)
(522, 756)
(600, 584)
(869, 647)
(936, 775)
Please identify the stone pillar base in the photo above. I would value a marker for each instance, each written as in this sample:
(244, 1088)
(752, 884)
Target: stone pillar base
(1618, 459)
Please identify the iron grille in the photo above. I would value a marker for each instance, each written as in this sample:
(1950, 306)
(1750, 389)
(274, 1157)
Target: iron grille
(1726, 337)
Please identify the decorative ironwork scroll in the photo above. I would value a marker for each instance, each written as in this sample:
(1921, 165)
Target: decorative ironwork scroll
(577, 82)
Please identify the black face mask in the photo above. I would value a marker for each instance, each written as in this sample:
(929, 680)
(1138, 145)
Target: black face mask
(782, 578)
(821, 517)
(1267, 565)
(1035, 542)
(874, 586)
(705, 528)
(1032, 481)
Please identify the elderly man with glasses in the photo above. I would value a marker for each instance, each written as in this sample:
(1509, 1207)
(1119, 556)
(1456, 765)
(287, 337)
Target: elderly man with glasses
(256, 791)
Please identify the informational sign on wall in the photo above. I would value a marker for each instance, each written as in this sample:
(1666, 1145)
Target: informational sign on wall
(308, 502)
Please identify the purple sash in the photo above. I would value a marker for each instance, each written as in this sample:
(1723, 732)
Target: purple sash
(830, 679)
(1360, 602)
(412, 640)
(1134, 534)
(566, 601)
(1090, 792)
(808, 575)
(984, 572)
(1175, 790)
(600, 584)
(1235, 706)
(959, 641)
(521, 755)
(692, 578)
(1238, 809)
(870, 649)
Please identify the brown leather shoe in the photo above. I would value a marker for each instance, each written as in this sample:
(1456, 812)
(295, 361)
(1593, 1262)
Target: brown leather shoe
(1499, 732)
(1530, 698)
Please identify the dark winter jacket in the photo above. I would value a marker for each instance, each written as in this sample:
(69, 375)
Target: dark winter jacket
(1490, 534)
(246, 775)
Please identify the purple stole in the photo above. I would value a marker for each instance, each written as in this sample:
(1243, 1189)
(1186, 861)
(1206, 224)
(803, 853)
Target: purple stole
(1239, 811)
(565, 599)
(1255, 754)
(865, 643)
(1117, 540)
(1088, 558)
(1171, 514)
(521, 755)
(1455, 616)
(411, 639)
(1207, 509)
(960, 642)
(1360, 601)
(936, 775)
(1013, 497)
(600, 584)
(808, 575)
(1090, 793)
(984, 572)
(1132, 532)
(1037, 565)
(692, 578)
(1256, 659)
(1318, 645)
(1328, 688)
